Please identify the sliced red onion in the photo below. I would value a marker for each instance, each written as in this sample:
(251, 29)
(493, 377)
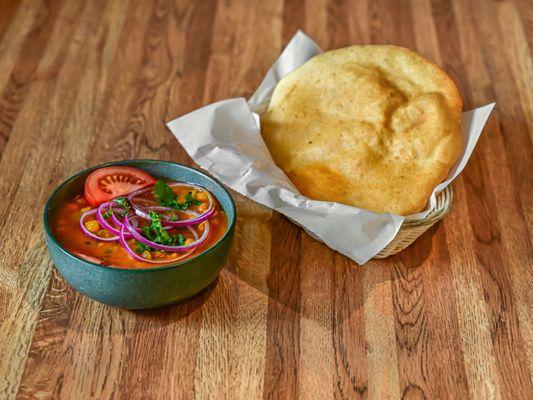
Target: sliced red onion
(137, 193)
(118, 223)
(134, 222)
(144, 212)
(147, 202)
(166, 220)
(137, 257)
(115, 220)
(100, 217)
(115, 230)
(88, 233)
(179, 223)
(211, 208)
(163, 247)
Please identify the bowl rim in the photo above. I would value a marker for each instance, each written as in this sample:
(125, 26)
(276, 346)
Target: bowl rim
(50, 234)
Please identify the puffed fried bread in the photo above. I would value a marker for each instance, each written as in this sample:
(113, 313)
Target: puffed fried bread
(376, 127)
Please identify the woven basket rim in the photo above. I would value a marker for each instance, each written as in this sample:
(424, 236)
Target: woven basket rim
(444, 203)
(410, 231)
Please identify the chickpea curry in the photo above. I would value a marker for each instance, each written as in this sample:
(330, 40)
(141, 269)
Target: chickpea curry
(127, 219)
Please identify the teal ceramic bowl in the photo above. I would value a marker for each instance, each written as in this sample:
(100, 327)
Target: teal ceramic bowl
(147, 287)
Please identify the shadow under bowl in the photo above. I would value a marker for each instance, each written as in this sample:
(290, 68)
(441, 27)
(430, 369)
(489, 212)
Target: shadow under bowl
(141, 288)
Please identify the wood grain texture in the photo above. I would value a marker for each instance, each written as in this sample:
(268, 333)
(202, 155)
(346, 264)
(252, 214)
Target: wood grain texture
(84, 82)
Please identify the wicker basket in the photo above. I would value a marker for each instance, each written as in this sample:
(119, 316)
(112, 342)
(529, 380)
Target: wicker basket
(411, 230)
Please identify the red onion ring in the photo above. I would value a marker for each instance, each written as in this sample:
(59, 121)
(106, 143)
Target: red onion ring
(135, 223)
(114, 218)
(116, 221)
(91, 235)
(181, 223)
(99, 216)
(165, 220)
(136, 235)
(106, 225)
(146, 215)
(137, 257)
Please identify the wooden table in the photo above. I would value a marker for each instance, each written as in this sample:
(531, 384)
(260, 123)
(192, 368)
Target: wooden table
(451, 317)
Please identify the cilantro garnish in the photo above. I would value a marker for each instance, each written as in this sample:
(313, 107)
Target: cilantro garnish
(157, 234)
(180, 240)
(189, 198)
(123, 203)
(141, 248)
(107, 214)
(166, 197)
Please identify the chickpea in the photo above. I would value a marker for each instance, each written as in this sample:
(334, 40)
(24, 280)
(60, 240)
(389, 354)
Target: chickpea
(201, 196)
(188, 241)
(146, 254)
(93, 226)
(104, 233)
(85, 209)
(202, 207)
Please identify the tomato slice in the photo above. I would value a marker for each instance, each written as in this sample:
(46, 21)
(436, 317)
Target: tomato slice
(106, 183)
(89, 199)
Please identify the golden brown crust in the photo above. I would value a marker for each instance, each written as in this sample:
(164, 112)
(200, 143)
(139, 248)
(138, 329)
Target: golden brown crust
(376, 127)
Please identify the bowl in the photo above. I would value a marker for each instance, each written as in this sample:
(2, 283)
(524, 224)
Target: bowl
(141, 288)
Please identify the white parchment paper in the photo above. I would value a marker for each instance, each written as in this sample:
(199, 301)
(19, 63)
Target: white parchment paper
(224, 138)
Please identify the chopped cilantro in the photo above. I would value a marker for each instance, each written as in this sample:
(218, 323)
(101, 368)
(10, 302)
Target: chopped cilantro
(107, 214)
(163, 193)
(141, 248)
(173, 217)
(157, 234)
(123, 203)
(189, 198)
(166, 197)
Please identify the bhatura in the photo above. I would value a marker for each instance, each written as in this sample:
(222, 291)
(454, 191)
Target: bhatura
(376, 127)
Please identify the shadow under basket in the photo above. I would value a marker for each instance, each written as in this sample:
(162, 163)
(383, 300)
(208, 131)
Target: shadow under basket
(411, 230)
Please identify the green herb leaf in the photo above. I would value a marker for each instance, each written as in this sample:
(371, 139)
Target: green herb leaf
(123, 203)
(107, 214)
(166, 197)
(141, 247)
(192, 200)
(157, 234)
(173, 217)
(164, 194)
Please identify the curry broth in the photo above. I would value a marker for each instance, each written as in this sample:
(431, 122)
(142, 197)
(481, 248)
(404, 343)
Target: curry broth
(66, 229)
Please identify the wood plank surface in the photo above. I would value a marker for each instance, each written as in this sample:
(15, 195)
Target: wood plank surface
(85, 82)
